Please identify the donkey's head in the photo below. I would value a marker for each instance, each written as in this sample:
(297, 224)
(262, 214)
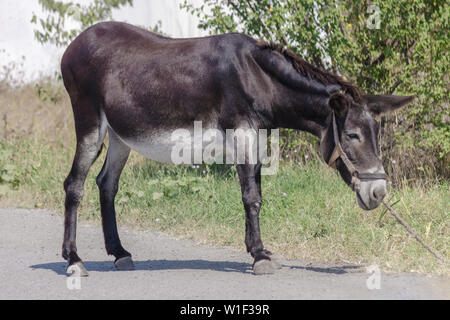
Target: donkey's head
(350, 143)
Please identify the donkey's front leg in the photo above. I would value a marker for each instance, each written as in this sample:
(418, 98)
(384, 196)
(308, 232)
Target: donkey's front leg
(250, 179)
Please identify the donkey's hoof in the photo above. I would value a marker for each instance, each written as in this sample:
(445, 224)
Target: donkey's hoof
(77, 270)
(124, 264)
(263, 266)
(276, 261)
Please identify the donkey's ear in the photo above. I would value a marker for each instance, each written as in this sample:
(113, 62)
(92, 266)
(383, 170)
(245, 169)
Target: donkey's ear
(339, 104)
(380, 104)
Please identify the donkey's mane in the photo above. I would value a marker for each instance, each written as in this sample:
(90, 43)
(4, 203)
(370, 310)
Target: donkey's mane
(309, 70)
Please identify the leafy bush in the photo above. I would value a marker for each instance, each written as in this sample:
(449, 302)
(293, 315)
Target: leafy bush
(53, 27)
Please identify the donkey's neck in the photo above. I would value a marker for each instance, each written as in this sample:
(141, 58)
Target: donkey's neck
(299, 101)
(302, 109)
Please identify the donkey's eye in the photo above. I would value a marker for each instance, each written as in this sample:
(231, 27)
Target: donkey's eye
(353, 136)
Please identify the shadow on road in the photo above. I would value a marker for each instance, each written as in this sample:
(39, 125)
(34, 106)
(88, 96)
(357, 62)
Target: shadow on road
(154, 265)
(332, 270)
(158, 265)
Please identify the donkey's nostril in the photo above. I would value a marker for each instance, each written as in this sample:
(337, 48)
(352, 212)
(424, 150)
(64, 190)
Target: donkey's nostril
(379, 192)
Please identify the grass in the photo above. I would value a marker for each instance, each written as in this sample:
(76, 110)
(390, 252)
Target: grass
(308, 212)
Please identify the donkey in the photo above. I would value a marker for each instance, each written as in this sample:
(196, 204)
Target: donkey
(139, 86)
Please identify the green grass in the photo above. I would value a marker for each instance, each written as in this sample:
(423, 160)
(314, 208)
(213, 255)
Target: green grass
(308, 212)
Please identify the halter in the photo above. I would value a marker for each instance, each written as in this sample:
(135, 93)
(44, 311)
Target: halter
(338, 152)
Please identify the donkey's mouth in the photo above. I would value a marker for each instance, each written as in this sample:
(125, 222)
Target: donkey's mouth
(361, 203)
(369, 205)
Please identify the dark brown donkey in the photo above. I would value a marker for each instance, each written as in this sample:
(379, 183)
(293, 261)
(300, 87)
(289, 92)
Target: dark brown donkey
(140, 87)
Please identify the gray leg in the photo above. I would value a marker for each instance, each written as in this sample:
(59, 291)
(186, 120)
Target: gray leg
(108, 182)
(88, 149)
(250, 179)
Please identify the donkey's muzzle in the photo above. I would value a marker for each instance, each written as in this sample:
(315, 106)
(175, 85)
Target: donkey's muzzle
(371, 193)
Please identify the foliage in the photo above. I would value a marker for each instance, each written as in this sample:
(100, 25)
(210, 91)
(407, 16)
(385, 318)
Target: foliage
(388, 47)
(48, 92)
(53, 28)
(9, 173)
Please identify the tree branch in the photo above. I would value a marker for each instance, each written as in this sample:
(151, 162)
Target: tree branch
(267, 31)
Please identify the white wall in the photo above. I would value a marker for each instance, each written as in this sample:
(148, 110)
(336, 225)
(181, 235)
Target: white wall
(17, 38)
(175, 21)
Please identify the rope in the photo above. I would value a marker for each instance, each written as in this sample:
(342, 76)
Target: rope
(414, 234)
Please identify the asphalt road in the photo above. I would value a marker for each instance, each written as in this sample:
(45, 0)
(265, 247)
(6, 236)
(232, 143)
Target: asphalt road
(167, 268)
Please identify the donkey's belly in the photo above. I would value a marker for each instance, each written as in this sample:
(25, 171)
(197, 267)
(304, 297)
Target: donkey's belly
(178, 146)
(157, 147)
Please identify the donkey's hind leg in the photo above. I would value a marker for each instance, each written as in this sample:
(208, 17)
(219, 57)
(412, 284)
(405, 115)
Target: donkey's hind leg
(108, 181)
(90, 136)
